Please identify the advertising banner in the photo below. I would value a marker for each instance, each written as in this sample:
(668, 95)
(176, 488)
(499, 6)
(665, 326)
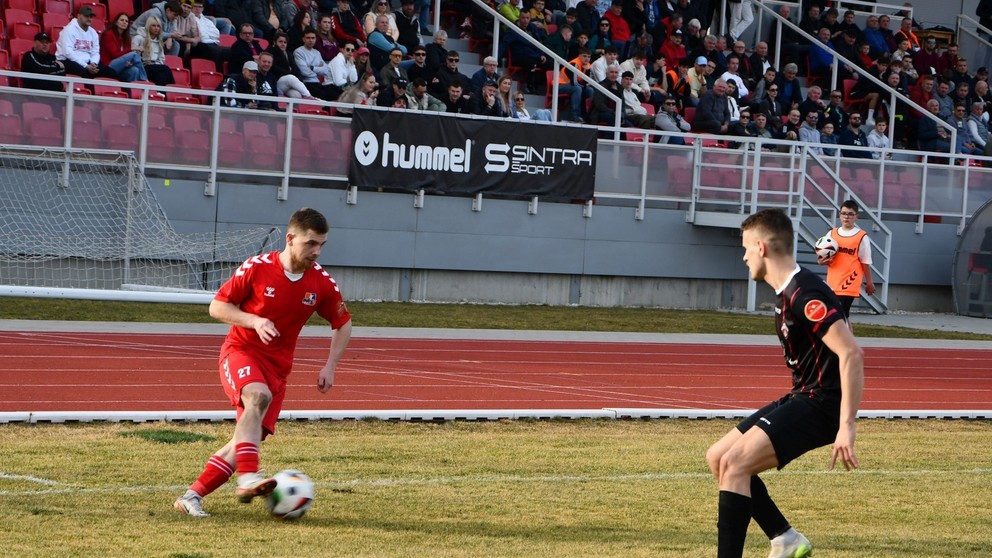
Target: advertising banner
(439, 154)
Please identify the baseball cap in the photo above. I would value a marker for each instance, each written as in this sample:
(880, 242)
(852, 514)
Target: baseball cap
(677, 32)
(701, 61)
(362, 50)
(42, 37)
(86, 11)
(250, 66)
(401, 82)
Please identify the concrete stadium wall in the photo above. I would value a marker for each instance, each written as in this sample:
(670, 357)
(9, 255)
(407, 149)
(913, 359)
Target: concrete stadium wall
(383, 248)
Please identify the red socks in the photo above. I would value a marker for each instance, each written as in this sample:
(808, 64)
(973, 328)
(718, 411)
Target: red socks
(246, 456)
(215, 474)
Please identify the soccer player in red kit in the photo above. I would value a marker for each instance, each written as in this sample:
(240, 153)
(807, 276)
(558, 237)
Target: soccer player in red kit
(827, 381)
(267, 302)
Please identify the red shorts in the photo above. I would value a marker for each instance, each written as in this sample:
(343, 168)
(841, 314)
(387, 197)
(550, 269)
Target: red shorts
(238, 369)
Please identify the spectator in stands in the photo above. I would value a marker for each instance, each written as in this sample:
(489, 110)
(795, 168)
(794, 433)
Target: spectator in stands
(601, 37)
(487, 73)
(604, 107)
(597, 71)
(713, 111)
(813, 103)
(852, 135)
(712, 53)
(238, 12)
(760, 90)
(408, 25)
(635, 65)
(539, 15)
(269, 15)
(438, 86)
(966, 143)
(927, 60)
(960, 74)
(641, 16)
(633, 112)
(455, 100)
(244, 49)
(757, 64)
(527, 56)
(345, 25)
(879, 141)
(961, 94)
(789, 36)
(381, 44)
(828, 137)
(790, 127)
(850, 25)
(978, 128)
(697, 80)
(672, 49)
(981, 74)
(283, 68)
(909, 71)
(905, 33)
(362, 64)
(732, 74)
(834, 111)
(620, 31)
(511, 9)
(519, 110)
(389, 93)
(692, 35)
(78, 48)
(419, 99)
(929, 134)
(773, 107)
(209, 31)
(790, 91)
(922, 93)
(185, 30)
(829, 20)
(327, 43)
(365, 93)
(668, 119)
(874, 37)
(711, 75)
(943, 97)
(739, 118)
(487, 102)
(820, 59)
(343, 73)
(868, 90)
(587, 14)
(981, 94)
(244, 82)
(166, 12)
(392, 70)
(437, 54)
(810, 22)
(301, 23)
(741, 17)
(809, 134)
(419, 66)
(370, 21)
(948, 60)
(39, 60)
(574, 85)
(902, 50)
(117, 54)
(883, 27)
(847, 47)
(152, 43)
(561, 41)
(641, 42)
(504, 86)
(311, 68)
(267, 82)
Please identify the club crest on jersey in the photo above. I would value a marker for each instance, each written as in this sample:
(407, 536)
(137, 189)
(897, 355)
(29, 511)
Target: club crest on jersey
(815, 310)
(310, 299)
(270, 292)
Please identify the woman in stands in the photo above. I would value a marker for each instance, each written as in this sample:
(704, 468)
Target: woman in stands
(117, 54)
(301, 23)
(362, 93)
(153, 44)
(282, 67)
(503, 91)
(600, 37)
(381, 7)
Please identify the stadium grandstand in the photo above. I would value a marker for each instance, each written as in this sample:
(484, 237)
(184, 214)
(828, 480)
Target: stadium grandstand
(554, 152)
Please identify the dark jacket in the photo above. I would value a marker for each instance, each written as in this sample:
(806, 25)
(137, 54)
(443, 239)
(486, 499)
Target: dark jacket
(240, 53)
(848, 137)
(712, 113)
(238, 11)
(45, 64)
(603, 106)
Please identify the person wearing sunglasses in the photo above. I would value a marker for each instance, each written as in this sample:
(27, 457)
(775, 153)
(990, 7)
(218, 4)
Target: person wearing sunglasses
(668, 119)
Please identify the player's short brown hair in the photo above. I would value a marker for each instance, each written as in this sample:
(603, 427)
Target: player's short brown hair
(775, 226)
(307, 219)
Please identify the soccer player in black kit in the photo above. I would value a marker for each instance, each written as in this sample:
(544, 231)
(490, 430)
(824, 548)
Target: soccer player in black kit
(827, 380)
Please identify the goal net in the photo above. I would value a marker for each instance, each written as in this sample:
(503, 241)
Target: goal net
(76, 223)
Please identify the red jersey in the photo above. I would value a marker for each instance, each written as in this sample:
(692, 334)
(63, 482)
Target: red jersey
(260, 286)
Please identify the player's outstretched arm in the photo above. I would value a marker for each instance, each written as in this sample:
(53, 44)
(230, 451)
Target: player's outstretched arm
(339, 342)
(231, 314)
(841, 341)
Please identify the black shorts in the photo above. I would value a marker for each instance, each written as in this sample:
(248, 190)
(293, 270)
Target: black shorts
(796, 425)
(846, 302)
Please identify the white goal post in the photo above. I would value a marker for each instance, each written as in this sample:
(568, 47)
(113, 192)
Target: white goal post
(86, 224)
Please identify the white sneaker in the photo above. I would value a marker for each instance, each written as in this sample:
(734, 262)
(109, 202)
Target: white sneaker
(254, 484)
(791, 544)
(190, 504)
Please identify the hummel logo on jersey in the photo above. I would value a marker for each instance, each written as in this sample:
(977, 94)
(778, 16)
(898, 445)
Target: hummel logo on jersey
(310, 299)
(270, 292)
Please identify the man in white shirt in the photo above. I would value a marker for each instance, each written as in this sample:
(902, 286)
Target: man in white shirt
(598, 68)
(209, 44)
(78, 48)
(632, 109)
(733, 63)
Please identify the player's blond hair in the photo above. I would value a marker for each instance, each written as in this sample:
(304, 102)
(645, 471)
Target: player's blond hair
(774, 226)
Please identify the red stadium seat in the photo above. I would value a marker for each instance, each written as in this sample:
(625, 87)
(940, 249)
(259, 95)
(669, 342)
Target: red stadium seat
(26, 5)
(99, 10)
(45, 132)
(180, 75)
(117, 7)
(56, 7)
(25, 30)
(263, 151)
(51, 20)
(121, 137)
(86, 133)
(226, 41)
(193, 146)
(209, 81)
(10, 128)
(4, 60)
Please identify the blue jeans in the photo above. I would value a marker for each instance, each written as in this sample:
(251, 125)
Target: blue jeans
(574, 93)
(129, 67)
(424, 7)
(224, 25)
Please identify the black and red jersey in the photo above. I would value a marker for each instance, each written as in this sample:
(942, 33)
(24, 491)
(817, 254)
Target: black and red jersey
(804, 311)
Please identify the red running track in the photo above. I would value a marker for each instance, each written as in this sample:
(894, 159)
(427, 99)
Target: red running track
(157, 372)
